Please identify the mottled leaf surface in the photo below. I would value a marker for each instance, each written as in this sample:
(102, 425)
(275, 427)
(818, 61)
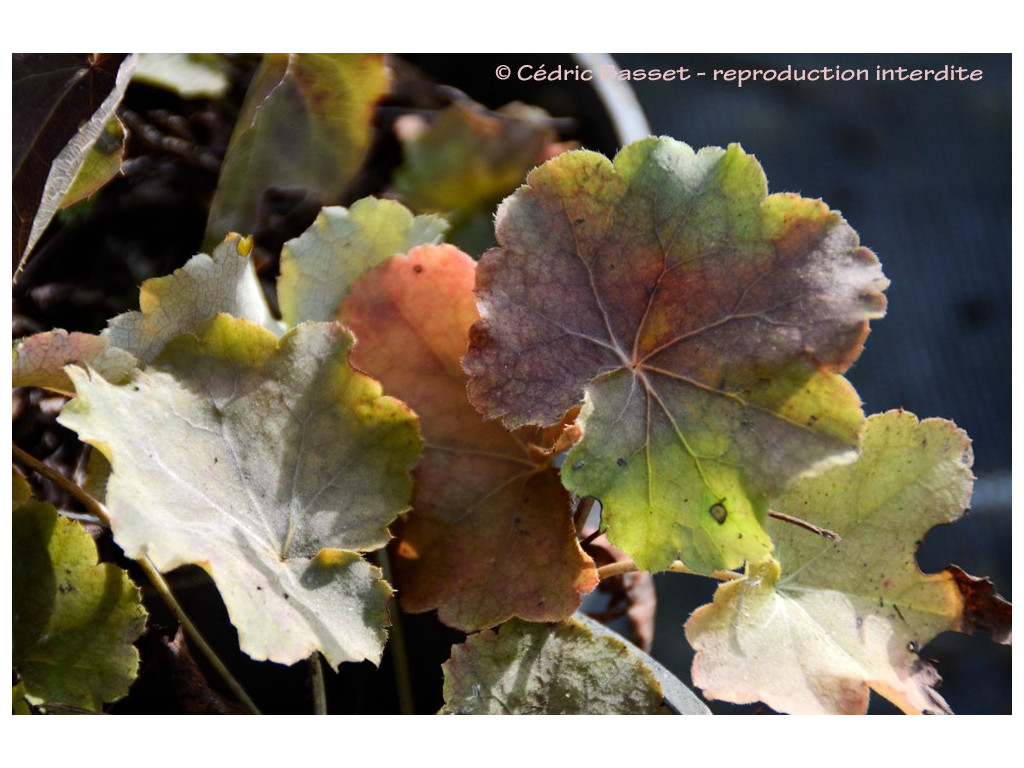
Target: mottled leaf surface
(39, 359)
(306, 124)
(702, 323)
(74, 619)
(547, 669)
(319, 267)
(490, 535)
(181, 302)
(271, 465)
(816, 629)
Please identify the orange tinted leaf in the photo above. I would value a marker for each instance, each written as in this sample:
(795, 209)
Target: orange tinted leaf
(490, 535)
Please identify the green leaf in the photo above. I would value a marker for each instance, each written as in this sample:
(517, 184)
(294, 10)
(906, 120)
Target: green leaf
(306, 124)
(703, 325)
(465, 160)
(21, 491)
(61, 103)
(490, 535)
(813, 631)
(190, 75)
(319, 267)
(547, 669)
(271, 465)
(101, 163)
(74, 620)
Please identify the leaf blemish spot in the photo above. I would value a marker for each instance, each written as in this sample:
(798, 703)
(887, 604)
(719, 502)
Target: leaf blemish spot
(719, 512)
(620, 461)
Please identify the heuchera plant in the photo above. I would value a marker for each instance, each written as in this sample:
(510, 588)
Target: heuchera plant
(654, 332)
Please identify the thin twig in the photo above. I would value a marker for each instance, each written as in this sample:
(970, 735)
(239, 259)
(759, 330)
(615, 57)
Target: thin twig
(164, 590)
(92, 505)
(399, 652)
(804, 524)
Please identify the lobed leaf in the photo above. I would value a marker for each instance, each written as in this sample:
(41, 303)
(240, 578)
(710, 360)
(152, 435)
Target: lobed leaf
(269, 463)
(319, 267)
(490, 534)
(548, 669)
(181, 302)
(813, 631)
(702, 324)
(74, 620)
(306, 124)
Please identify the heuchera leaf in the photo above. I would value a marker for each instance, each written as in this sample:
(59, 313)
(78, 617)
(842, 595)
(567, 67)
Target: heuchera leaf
(813, 631)
(562, 668)
(490, 535)
(181, 302)
(39, 360)
(319, 267)
(704, 325)
(469, 158)
(74, 620)
(271, 465)
(306, 124)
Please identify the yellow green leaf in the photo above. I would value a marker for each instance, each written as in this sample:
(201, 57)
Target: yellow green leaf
(829, 620)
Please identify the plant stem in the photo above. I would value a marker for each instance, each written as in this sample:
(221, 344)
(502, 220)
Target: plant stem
(628, 566)
(579, 517)
(317, 683)
(94, 507)
(156, 578)
(164, 590)
(799, 523)
(399, 652)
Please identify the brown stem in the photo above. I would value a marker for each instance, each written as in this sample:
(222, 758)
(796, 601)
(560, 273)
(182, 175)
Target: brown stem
(579, 517)
(628, 566)
(824, 532)
(91, 504)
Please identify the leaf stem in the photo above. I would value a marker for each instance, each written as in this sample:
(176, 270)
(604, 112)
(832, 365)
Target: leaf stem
(399, 651)
(579, 517)
(628, 566)
(156, 578)
(317, 683)
(94, 507)
(824, 532)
